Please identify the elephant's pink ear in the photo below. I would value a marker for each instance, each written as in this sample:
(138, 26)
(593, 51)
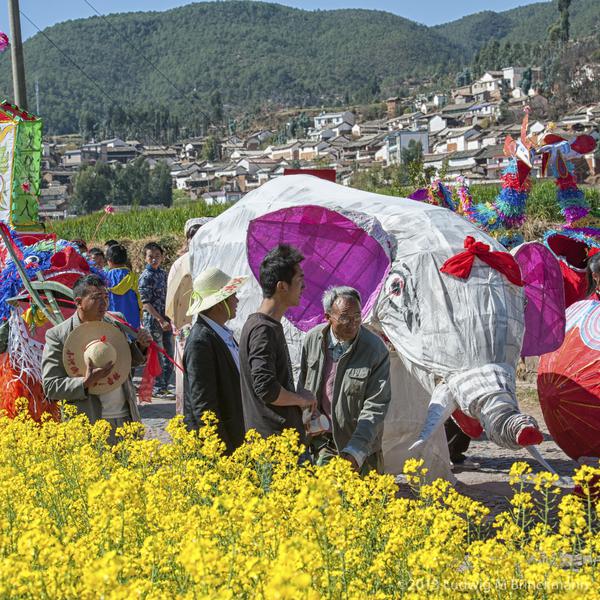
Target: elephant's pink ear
(544, 291)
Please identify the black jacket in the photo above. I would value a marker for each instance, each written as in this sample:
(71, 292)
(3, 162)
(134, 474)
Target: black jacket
(212, 382)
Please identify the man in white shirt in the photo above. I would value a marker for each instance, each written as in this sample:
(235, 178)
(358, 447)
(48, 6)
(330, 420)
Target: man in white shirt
(211, 358)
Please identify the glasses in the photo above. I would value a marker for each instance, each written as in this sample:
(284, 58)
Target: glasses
(344, 320)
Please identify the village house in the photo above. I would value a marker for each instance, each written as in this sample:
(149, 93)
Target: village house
(288, 152)
(396, 141)
(440, 122)
(310, 150)
(58, 176)
(586, 117)
(364, 148)
(462, 91)
(332, 120)
(113, 150)
(53, 202)
(72, 159)
(490, 81)
(493, 161)
(369, 128)
(513, 76)
(392, 105)
(197, 178)
(230, 145)
(411, 120)
(257, 139)
(221, 197)
(455, 139)
(476, 113)
(434, 161)
(157, 153)
(456, 111)
(465, 163)
(192, 148)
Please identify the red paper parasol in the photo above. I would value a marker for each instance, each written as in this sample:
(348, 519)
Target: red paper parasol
(569, 383)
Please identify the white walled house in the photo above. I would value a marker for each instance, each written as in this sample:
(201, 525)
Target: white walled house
(396, 141)
(331, 120)
(490, 81)
(514, 76)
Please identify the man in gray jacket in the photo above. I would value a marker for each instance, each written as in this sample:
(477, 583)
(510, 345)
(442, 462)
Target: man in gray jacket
(347, 367)
(91, 299)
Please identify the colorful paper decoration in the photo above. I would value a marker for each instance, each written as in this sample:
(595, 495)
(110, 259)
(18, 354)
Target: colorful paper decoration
(20, 162)
(569, 384)
(545, 307)
(557, 156)
(340, 248)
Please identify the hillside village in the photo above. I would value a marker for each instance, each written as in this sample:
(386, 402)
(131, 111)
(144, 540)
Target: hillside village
(462, 132)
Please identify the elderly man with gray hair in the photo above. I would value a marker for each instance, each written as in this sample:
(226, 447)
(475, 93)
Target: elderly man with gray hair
(347, 367)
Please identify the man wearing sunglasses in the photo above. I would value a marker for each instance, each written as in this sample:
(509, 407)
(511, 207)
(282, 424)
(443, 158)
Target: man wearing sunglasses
(347, 368)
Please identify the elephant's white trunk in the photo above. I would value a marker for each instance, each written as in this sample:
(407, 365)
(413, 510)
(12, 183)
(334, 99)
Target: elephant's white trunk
(441, 406)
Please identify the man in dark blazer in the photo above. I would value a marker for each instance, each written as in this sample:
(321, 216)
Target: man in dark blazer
(211, 380)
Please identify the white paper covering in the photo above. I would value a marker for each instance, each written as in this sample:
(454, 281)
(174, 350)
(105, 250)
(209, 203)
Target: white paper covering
(441, 324)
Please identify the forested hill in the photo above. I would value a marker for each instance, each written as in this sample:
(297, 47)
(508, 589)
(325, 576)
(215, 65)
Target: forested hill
(523, 24)
(166, 66)
(248, 51)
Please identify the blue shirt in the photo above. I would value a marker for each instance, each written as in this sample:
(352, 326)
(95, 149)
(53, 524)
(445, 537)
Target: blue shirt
(153, 288)
(227, 336)
(126, 303)
(337, 347)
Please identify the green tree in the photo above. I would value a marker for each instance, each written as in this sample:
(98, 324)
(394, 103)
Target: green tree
(132, 186)
(560, 30)
(526, 81)
(216, 105)
(161, 184)
(210, 150)
(92, 190)
(412, 153)
(87, 124)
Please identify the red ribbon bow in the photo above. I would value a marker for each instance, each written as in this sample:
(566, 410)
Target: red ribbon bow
(461, 264)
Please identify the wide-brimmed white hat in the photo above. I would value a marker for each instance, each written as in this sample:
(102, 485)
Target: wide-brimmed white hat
(103, 343)
(211, 287)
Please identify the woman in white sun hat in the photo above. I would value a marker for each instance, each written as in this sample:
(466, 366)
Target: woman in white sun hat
(211, 359)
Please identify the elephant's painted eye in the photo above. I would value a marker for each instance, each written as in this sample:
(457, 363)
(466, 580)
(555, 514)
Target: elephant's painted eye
(32, 260)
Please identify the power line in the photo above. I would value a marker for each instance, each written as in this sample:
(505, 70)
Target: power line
(91, 79)
(165, 77)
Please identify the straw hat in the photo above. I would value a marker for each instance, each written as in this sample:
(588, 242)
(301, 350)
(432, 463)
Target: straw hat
(103, 343)
(211, 287)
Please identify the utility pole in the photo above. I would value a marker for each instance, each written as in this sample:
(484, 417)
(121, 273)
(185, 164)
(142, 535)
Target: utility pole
(37, 97)
(16, 53)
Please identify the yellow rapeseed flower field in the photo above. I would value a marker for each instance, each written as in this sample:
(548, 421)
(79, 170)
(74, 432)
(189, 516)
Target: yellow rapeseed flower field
(81, 519)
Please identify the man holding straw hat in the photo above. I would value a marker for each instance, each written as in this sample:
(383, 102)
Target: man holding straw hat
(87, 359)
(211, 358)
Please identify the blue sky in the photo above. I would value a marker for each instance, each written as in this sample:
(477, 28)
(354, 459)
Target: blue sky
(430, 12)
